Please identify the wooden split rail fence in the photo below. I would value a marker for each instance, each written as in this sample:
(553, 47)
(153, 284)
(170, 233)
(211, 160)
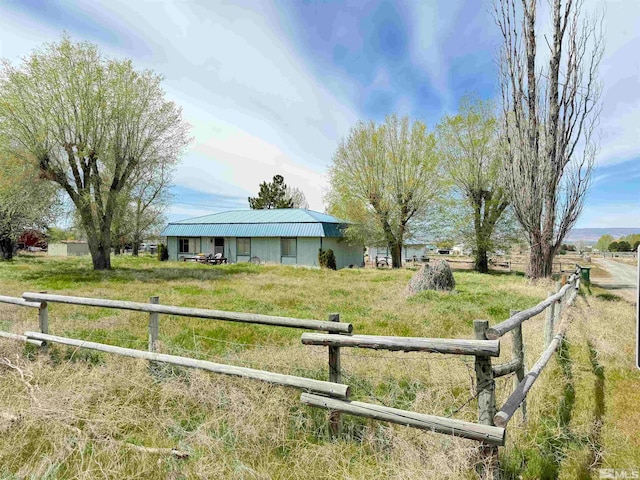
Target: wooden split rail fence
(332, 395)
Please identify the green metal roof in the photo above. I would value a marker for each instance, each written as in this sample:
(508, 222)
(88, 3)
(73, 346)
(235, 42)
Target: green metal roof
(286, 222)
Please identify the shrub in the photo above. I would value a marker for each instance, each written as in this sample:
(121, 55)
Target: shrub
(163, 252)
(327, 259)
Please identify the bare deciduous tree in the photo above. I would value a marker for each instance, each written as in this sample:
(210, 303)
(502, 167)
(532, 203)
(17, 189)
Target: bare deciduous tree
(297, 197)
(550, 118)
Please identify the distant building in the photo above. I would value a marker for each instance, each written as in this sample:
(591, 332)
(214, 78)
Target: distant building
(412, 250)
(68, 248)
(461, 249)
(288, 236)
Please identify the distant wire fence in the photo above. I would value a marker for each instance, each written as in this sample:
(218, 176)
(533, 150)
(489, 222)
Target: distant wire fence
(501, 264)
(333, 395)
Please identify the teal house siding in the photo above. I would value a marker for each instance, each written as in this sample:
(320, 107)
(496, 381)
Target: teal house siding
(308, 251)
(346, 255)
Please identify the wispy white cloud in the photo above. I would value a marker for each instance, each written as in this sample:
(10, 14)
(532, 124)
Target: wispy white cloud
(260, 106)
(255, 108)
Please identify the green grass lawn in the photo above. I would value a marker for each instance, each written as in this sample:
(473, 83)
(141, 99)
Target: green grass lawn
(79, 410)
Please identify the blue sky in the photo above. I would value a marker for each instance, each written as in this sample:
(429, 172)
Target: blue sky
(271, 87)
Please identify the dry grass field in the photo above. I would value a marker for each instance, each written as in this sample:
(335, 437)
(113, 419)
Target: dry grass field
(69, 413)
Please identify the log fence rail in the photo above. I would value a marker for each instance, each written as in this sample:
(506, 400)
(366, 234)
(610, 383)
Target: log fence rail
(332, 395)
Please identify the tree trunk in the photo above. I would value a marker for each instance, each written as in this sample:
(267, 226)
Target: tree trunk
(101, 258)
(482, 260)
(100, 248)
(396, 254)
(548, 256)
(536, 263)
(7, 247)
(136, 245)
(540, 259)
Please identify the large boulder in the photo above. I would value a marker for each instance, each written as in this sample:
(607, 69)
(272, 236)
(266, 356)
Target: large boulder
(437, 276)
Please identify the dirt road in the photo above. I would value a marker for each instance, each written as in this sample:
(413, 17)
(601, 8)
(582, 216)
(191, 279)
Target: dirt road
(623, 279)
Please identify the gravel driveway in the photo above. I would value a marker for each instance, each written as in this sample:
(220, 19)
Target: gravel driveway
(623, 279)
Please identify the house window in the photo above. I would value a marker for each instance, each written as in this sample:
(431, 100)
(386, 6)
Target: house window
(183, 245)
(243, 246)
(289, 247)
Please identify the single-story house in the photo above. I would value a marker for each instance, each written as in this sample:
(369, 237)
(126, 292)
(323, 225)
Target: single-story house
(68, 248)
(289, 236)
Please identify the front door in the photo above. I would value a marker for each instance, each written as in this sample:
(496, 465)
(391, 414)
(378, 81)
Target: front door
(219, 246)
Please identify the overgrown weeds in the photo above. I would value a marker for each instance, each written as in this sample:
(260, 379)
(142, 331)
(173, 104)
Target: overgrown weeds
(67, 413)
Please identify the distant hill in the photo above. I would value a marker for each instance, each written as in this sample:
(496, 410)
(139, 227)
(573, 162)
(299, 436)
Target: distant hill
(591, 235)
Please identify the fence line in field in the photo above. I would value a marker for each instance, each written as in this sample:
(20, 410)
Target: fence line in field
(333, 395)
(486, 373)
(319, 386)
(154, 308)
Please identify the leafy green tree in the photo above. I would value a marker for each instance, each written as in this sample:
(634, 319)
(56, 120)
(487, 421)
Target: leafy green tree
(26, 201)
(468, 149)
(141, 210)
(614, 247)
(603, 242)
(384, 178)
(272, 195)
(91, 123)
(624, 246)
(56, 235)
(631, 238)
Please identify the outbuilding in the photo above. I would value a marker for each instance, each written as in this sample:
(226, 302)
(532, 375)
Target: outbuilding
(68, 248)
(412, 251)
(288, 236)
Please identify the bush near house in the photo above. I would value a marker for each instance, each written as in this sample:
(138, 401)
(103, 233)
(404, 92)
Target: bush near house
(163, 252)
(327, 259)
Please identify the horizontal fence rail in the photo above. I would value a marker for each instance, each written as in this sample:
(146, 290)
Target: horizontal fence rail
(509, 324)
(406, 344)
(332, 395)
(449, 426)
(507, 368)
(19, 301)
(335, 327)
(21, 338)
(319, 386)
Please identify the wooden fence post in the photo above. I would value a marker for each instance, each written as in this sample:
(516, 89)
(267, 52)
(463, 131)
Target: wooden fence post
(154, 326)
(518, 352)
(43, 317)
(486, 392)
(335, 376)
(549, 323)
(557, 309)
